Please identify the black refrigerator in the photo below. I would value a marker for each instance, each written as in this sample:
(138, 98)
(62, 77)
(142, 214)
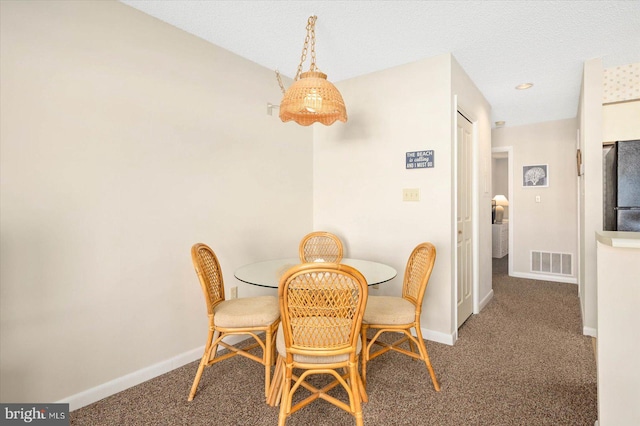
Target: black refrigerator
(621, 180)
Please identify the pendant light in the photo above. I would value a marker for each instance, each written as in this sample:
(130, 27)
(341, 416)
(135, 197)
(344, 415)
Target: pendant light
(311, 98)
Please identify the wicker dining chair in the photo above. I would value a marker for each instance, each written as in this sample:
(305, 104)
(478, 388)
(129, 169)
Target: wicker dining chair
(321, 306)
(320, 246)
(401, 314)
(245, 316)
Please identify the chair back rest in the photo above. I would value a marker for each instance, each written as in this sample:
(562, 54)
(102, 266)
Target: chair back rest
(321, 308)
(320, 247)
(209, 273)
(417, 273)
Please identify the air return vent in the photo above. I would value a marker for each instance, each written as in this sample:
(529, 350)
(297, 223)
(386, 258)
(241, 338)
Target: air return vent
(551, 263)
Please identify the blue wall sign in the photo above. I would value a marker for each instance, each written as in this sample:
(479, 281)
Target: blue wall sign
(420, 159)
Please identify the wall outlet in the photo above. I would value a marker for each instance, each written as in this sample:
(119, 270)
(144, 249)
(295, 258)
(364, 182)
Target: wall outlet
(376, 286)
(411, 194)
(234, 293)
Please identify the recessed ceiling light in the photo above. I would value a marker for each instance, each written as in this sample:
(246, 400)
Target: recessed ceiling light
(524, 86)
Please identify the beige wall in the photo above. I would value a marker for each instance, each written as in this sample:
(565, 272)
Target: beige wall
(360, 196)
(549, 225)
(123, 142)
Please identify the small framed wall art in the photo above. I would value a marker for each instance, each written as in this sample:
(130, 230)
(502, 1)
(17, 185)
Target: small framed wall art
(535, 176)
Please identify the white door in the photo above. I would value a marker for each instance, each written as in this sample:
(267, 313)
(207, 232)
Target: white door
(464, 216)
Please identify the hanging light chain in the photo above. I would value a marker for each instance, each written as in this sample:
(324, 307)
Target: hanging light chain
(313, 41)
(311, 34)
(280, 82)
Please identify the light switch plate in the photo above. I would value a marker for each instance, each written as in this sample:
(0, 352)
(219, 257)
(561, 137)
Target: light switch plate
(411, 194)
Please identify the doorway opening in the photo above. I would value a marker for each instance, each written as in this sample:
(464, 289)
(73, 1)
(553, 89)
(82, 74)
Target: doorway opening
(502, 185)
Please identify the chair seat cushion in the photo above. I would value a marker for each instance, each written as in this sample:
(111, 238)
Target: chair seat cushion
(280, 346)
(247, 312)
(389, 310)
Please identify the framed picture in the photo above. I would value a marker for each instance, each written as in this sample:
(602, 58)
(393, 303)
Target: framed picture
(535, 176)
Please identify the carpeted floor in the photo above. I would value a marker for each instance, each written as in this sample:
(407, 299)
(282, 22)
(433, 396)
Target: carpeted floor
(521, 361)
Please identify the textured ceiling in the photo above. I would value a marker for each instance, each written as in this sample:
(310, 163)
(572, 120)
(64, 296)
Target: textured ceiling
(500, 44)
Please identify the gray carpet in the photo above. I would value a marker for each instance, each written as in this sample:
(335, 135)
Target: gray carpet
(522, 361)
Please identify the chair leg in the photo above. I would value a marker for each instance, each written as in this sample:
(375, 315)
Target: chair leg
(274, 351)
(275, 392)
(363, 391)
(196, 381)
(278, 394)
(355, 388)
(285, 402)
(412, 346)
(203, 363)
(364, 352)
(267, 361)
(425, 356)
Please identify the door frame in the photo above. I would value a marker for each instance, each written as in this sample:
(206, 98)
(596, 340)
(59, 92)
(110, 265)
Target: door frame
(512, 206)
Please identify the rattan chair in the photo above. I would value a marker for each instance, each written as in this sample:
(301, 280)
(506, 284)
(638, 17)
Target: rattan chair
(320, 247)
(401, 314)
(321, 307)
(246, 316)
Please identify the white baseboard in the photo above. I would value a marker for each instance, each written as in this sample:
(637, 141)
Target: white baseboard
(590, 331)
(114, 386)
(486, 300)
(437, 336)
(545, 277)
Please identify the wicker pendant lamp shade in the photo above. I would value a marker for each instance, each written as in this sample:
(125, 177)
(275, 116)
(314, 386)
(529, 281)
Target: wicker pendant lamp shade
(311, 98)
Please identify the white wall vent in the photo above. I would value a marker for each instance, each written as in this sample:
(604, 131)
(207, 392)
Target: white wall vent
(552, 263)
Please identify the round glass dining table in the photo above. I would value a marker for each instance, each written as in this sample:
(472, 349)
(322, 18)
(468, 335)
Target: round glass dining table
(267, 273)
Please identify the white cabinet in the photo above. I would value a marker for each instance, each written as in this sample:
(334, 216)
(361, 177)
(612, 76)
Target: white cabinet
(500, 239)
(618, 297)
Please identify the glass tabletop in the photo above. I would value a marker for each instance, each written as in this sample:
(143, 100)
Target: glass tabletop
(267, 273)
